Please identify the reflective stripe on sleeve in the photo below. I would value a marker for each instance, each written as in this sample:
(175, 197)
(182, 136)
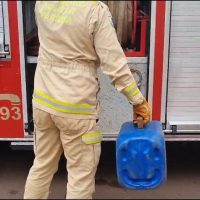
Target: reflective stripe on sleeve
(61, 106)
(92, 138)
(131, 90)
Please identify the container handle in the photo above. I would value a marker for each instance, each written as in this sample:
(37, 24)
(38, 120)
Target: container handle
(140, 122)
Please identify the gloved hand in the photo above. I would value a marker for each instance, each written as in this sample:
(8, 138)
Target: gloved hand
(142, 110)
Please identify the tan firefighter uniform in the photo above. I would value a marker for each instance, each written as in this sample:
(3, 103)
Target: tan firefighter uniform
(76, 37)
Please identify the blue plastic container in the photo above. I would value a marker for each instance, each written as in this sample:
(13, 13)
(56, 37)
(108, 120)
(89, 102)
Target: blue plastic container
(141, 156)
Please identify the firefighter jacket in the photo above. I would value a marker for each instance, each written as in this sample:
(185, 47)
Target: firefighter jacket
(77, 37)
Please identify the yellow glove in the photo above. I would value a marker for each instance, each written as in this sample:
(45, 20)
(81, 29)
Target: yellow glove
(142, 110)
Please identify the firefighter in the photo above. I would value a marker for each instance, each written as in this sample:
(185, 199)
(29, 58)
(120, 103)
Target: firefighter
(76, 37)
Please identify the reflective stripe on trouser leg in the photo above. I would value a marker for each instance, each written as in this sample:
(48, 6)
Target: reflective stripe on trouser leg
(82, 159)
(47, 154)
(92, 138)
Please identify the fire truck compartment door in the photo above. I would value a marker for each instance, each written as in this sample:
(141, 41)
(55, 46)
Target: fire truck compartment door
(12, 78)
(4, 31)
(183, 100)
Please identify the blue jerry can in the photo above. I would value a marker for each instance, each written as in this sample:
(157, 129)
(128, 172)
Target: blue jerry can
(141, 156)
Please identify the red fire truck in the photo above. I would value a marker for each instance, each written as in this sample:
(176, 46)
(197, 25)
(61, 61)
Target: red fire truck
(163, 51)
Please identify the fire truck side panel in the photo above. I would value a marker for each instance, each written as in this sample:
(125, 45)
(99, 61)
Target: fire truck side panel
(114, 107)
(169, 72)
(158, 59)
(11, 109)
(183, 100)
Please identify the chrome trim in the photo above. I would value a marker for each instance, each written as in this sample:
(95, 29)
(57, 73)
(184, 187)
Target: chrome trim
(22, 62)
(4, 53)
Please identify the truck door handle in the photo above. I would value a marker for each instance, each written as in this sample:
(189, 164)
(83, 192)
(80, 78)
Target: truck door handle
(4, 53)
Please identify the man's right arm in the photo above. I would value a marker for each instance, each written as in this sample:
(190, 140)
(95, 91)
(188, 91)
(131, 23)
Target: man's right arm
(113, 62)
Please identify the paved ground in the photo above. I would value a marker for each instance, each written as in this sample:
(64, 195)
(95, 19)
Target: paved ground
(183, 175)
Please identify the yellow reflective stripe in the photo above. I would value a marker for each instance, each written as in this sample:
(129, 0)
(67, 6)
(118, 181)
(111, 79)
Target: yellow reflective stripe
(61, 102)
(92, 138)
(93, 142)
(129, 88)
(91, 135)
(61, 109)
(134, 93)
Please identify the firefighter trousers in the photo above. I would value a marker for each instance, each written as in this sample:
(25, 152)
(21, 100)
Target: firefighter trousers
(53, 135)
